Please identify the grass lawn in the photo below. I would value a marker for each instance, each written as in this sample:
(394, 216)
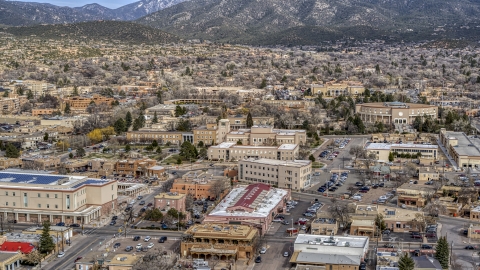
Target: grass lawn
(317, 165)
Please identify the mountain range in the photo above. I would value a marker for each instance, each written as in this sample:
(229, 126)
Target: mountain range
(268, 22)
(16, 13)
(310, 21)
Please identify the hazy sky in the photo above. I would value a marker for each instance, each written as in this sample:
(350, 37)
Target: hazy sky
(79, 3)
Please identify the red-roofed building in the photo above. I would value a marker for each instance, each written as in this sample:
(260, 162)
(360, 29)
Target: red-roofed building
(255, 205)
(23, 247)
(249, 199)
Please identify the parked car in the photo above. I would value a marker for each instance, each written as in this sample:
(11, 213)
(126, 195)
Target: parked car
(147, 238)
(263, 250)
(116, 245)
(416, 236)
(285, 254)
(470, 247)
(258, 259)
(75, 225)
(162, 239)
(61, 254)
(388, 246)
(425, 246)
(150, 245)
(128, 248)
(78, 258)
(136, 238)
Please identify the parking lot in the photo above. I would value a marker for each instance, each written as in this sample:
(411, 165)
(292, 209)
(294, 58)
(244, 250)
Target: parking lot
(119, 245)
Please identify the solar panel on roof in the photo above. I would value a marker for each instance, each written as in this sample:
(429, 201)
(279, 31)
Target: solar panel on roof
(29, 178)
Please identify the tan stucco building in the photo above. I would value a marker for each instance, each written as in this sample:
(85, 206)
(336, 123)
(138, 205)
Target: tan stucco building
(394, 112)
(162, 137)
(227, 241)
(331, 89)
(283, 174)
(27, 197)
(267, 135)
(231, 151)
(382, 150)
(465, 150)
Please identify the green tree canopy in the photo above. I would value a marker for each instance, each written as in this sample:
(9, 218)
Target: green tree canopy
(155, 118)
(188, 150)
(119, 126)
(249, 122)
(406, 262)
(67, 109)
(442, 253)
(11, 151)
(46, 244)
(128, 120)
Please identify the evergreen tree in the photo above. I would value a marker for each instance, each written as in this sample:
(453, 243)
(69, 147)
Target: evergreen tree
(188, 150)
(406, 262)
(119, 126)
(45, 137)
(29, 94)
(46, 244)
(5, 93)
(128, 148)
(390, 157)
(128, 120)
(160, 96)
(155, 118)
(263, 84)
(80, 152)
(75, 91)
(312, 158)
(442, 253)
(249, 120)
(11, 151)
(154, 143)
(67, 109)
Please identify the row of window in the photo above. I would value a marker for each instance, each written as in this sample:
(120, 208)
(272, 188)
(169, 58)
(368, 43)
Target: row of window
(261, 174)
(154, 136)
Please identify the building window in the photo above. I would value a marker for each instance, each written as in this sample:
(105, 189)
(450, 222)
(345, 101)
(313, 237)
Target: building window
(13, 194)
(38, 194)
(56, 196)
(6, 193)
(13, 203)
(39, 206)
(56, 205)
(48, 195)
(6, 203)
(48, 205)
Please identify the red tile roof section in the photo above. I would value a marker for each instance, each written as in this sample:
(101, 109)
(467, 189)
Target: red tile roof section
(251, 194)
(24, 247)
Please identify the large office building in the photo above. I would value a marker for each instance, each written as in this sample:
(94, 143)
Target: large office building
(382, 150)
(255, 205)
(232, 151)
(331, 252)
(283, 174)
(267, 135)
(394, 112)
(464, 149)
(330, 89)
(35, 197)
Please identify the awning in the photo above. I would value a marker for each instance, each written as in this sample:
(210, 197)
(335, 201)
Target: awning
(365, 229)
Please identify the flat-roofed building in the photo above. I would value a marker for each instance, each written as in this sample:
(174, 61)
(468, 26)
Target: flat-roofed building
(427, 174)
(295, 174)
(211, 133)
(134, 167)
(110, 261)
(464, 149)
(382, 150)
(331, 89)
(35, 197)
(167, 200)
(226, 241)
(200, 185)
(332, 252)
(41, 112)
(254, 205)
(414, 194)
(161, 136)
(267, 135)
(324, 226)
(394, 112)
(240, 121)
(81, 103)
(231, 151)
(6, 163)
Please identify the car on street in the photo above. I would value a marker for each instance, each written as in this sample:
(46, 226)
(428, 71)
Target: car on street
(425, 246)
(258, 259)
(61, 254)
(388, 246)
(78, 258)
(75, 225)
(416, 236)
(263, 250)
(142, 203)
(162, 239)
(285, 254)
(470, 247)
(116, 245)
